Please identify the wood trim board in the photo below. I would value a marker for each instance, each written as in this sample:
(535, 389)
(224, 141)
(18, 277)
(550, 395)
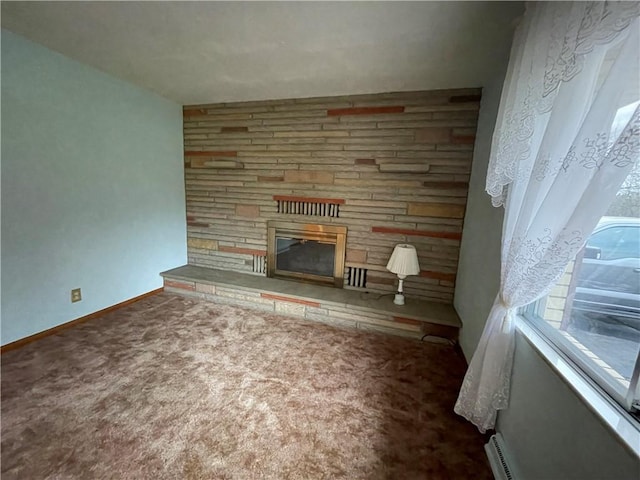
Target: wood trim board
(64, 326)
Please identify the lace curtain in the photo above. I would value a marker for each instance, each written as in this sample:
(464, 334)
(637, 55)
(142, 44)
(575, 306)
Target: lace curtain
(567, 135)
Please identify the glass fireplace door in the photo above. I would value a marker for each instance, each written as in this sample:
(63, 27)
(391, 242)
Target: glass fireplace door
(306, 252)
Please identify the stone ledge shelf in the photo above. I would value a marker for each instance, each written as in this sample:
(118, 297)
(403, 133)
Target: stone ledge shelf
(342, 307)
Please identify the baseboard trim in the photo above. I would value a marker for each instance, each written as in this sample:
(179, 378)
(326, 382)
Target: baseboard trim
(64, 326)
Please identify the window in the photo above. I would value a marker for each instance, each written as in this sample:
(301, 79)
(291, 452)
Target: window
(593, 313)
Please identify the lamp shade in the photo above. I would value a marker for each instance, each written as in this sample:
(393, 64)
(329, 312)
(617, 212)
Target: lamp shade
(404, 260)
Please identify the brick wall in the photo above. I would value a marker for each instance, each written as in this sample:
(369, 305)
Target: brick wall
(393, 167)
(557, 310)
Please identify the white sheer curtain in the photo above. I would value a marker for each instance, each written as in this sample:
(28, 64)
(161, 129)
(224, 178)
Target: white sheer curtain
(567, 135)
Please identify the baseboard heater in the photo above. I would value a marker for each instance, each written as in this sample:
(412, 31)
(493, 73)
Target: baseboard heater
(498, 458)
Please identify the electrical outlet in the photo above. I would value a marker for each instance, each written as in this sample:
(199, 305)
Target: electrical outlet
(76, 295)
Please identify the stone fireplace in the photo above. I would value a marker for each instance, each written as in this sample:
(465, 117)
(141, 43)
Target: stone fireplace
(391, 167)
(307, 252)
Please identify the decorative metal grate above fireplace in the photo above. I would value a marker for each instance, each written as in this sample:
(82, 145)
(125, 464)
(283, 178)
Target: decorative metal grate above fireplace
(306, 252)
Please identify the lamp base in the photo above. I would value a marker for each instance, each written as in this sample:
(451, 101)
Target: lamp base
(399, 299)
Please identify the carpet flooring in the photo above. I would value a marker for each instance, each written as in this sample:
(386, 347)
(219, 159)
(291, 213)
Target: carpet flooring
(177, 388)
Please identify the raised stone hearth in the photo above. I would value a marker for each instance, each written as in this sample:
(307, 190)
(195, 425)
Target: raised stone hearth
(348, 308)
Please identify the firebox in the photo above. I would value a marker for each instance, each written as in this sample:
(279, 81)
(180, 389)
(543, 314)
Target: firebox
(306, 252)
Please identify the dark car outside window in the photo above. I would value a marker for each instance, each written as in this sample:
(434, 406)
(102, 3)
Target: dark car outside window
(617, 242)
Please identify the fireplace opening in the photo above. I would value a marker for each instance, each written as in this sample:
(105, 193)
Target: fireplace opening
(306, 252)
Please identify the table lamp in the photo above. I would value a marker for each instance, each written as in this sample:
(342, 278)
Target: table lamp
(403, 262)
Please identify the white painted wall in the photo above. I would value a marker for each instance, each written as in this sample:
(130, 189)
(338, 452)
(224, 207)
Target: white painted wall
(92, 189)
(551, 434)
(478, 277)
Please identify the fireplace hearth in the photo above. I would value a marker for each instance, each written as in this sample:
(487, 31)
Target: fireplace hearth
(306, 252)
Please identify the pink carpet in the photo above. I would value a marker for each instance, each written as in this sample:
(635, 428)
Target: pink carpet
(176, 388)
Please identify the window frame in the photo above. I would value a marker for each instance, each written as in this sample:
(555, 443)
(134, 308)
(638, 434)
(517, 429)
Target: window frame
(625, 425)
(534, 314)
(628, 399)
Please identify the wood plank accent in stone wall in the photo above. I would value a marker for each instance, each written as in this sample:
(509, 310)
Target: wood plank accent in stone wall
(398, 164)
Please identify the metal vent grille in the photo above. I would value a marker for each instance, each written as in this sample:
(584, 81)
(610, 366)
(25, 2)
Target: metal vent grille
(356, 277)
(259, 264)
(315, 209)
(497, 458)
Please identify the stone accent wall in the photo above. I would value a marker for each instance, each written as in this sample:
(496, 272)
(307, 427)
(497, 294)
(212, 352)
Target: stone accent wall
(392, 167)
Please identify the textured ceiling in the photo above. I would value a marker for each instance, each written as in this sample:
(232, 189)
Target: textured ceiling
(205, 52)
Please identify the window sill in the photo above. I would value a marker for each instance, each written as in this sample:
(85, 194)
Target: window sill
(623, 425)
